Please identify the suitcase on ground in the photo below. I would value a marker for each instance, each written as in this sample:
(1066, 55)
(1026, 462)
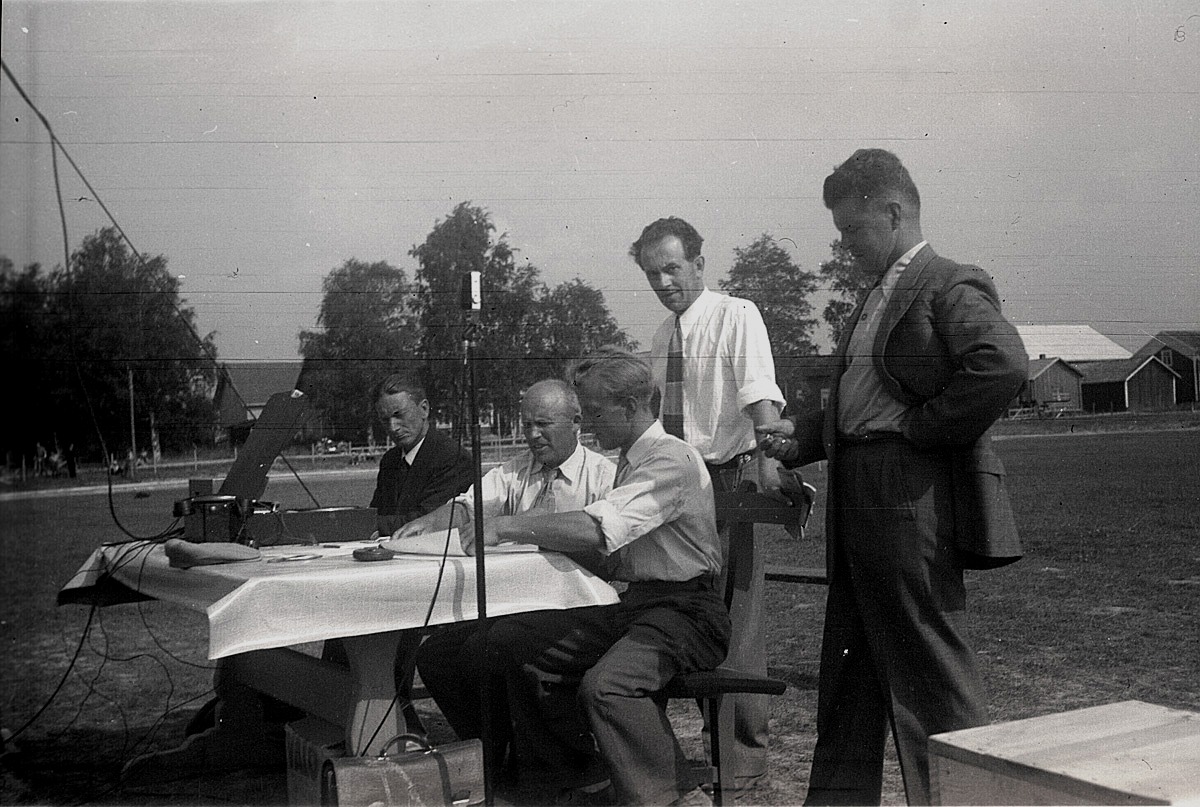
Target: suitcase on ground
(449, 774)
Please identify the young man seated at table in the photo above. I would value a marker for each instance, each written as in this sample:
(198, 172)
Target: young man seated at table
(556, 473)
(580, 681)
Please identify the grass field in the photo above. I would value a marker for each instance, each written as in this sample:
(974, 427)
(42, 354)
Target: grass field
(1103, 608)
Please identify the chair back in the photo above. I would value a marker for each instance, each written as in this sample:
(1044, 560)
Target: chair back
(740, 511)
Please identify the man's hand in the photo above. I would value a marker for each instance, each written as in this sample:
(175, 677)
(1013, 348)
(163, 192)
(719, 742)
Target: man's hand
(491, 533)
(775, 440)
(417, 526)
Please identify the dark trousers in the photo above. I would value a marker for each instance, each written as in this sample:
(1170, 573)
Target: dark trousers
(895, 651)
(583, 682)
(454, 665)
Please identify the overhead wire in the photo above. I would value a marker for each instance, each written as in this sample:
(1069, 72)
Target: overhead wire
(56, 146)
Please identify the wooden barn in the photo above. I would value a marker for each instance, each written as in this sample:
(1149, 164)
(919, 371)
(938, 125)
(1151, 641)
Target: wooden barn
(1054, 386)
(1128, 385)
(1179, 350)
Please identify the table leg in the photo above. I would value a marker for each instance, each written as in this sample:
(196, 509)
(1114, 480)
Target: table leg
(375, 716)
(359, 697)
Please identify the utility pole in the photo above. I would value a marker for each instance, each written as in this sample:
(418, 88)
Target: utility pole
(132, 432)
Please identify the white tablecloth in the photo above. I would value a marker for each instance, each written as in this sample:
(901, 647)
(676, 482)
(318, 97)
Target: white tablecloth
(274, 602)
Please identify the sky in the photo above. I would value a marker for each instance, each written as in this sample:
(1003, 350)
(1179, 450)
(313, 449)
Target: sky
(258, 146)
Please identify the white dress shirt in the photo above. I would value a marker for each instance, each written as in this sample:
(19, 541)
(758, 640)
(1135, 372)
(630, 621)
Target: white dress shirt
(659, 521)
(511, 488)
(727, 365)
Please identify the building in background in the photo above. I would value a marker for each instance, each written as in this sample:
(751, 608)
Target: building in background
(1054, 387)
(1071, 343)
(1179, 350)
(1127, 385)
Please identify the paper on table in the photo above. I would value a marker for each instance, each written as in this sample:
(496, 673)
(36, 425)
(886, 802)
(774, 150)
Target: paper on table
(434, 543)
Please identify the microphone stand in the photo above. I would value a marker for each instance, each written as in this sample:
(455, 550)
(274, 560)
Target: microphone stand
(472, 305)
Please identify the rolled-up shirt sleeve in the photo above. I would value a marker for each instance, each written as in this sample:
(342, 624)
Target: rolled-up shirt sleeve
(651, 495)
(749, 347)
(497, 486)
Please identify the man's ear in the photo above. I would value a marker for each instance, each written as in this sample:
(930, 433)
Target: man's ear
(699, 264)
(895, 212)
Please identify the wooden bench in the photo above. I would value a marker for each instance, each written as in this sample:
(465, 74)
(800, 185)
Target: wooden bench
(781, 573)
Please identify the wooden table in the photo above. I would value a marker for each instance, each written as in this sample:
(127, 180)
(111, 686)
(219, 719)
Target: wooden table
(1120, 753)
(296, 594)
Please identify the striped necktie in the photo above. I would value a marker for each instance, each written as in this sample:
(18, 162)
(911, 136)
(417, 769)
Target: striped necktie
(622, 467)
(672, 401)
(544, 502)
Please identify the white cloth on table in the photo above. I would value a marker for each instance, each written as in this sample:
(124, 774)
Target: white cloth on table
(275, 603)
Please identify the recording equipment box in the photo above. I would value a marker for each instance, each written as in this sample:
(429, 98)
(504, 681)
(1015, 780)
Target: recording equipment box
(236, 513)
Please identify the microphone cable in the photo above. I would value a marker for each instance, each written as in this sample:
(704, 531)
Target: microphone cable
(424, 625)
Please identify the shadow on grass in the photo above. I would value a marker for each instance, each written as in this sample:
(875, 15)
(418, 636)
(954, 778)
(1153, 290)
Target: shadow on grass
(84, 765)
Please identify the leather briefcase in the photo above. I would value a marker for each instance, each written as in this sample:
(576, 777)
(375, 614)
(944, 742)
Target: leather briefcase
(450, 774)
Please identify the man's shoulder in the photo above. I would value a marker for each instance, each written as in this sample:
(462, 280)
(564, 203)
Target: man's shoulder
(593, 458)
(391, 457)
(659, 447)
(516, 464)
(730, 309)
(946, 269)
(441, 448)
(932, 273)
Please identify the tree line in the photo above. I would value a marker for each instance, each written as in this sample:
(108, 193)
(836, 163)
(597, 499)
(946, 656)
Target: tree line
(78, 340)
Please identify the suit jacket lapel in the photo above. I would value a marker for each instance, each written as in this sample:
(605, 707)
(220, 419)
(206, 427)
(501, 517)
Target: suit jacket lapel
(420, 466)
(829, 430)
(907, 286)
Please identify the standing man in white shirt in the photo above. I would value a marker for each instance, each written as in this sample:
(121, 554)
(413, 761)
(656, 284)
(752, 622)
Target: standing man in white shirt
(713, 366)
(556, 474)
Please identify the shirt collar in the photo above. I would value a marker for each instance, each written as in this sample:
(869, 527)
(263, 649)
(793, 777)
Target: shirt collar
(571, 468)
(411, 456)
(642, 446)
(698, 307)
(892, 275)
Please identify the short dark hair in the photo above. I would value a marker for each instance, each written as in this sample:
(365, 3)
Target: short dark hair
(401, 382)
(658, 230)
(870, 174)
(619, 373)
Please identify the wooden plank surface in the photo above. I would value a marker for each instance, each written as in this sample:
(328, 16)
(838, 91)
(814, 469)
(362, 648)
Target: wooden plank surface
(1122, 753)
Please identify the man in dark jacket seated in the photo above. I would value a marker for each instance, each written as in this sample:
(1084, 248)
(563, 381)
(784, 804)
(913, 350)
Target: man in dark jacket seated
(416, 476)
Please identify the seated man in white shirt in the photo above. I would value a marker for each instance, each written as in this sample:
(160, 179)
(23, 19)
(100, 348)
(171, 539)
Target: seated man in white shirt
(580, 681)
(556, 473)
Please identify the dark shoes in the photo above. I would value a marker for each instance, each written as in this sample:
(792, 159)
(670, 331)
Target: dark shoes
(693, 798)
(600, 794)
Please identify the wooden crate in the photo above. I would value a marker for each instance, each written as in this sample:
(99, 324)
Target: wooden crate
(1121, 753)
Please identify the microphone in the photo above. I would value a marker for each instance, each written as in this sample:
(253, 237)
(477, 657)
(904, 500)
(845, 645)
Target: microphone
(470, 301)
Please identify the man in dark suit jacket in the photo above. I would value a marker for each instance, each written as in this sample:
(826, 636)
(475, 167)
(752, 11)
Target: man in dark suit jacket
(425, 469)
(420, 473)
(915, 493)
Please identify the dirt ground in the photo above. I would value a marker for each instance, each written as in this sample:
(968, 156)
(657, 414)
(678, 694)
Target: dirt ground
(1103, 608)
